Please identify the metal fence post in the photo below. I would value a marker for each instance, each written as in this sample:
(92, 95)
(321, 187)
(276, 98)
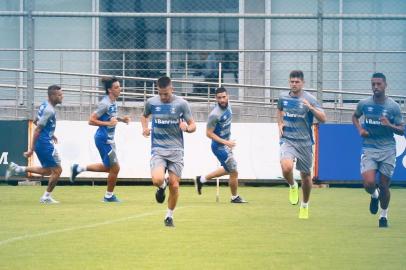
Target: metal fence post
(30, 59)
(320, 51)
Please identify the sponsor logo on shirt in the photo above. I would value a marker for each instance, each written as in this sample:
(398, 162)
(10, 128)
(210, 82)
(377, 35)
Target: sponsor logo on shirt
(166, 121)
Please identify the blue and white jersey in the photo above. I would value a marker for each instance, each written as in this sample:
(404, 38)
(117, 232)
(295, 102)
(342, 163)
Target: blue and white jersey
(380, 136)
(220, 120)
(47, 121)
(166, 133)
(106, 109)
(298, 119)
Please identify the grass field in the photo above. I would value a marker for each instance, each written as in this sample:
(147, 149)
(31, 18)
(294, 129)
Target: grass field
(84, 233)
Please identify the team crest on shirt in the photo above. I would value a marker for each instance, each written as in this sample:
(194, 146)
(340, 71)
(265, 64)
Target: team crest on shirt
(370, 109)
(385, 113)
(173, 110)
(157, 109)
(301, 105)
(285, 103)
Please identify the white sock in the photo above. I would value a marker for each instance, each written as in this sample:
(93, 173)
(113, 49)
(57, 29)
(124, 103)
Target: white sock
(169, 213)
(108, 194)
(203, 179)
(294, 184)
(304, 205)
(375, 195)
(384, 213)
(46, 194)
(164, 184)
(81, 168)
(233, 197)
(21, 169)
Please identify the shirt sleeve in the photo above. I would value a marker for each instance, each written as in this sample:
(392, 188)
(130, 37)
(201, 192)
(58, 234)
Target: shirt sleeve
(280, 103)
(43, 120)
(102, 108)
(358, 111)
(316, 104)
(187, 113)
(212, 121)
(398, 118)
(147, 109)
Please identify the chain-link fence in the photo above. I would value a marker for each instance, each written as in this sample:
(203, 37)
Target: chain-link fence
(249, 46)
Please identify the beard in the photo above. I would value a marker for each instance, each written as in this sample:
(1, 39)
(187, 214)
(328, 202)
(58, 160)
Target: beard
(223, 106)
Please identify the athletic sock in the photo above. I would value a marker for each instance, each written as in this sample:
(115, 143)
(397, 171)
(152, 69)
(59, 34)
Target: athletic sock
(294, 184)
(375, 195)
(304, 205)
(21, 169)
(384, 213)
(108, 194)
(233, 197)
(81, 168)
(164, 184)
(46, 194)
(203, 179)
(169, 213)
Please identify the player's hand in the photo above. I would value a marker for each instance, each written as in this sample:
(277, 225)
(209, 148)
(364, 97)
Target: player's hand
(281, 126)
(231, 144)
(183, 125)
(113, 122)
(306, 103)
(28, 153)
(384, 121)
(363, 133)
(146, 132)
(55, 139)
(126, 119)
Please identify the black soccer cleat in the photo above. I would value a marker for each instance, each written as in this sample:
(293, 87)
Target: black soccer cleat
(160, 195)
(73, 172)
(169, 222)
(238, 199)
(374, 205)
(383, 222)
(198, 185)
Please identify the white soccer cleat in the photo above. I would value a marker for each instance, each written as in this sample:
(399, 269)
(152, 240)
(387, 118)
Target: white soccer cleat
(11, 170)
(47, 200)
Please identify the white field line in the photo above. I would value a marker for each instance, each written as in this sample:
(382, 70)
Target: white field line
(94, 225)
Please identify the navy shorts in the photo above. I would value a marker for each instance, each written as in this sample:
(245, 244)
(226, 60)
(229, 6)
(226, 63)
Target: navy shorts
(226, 158)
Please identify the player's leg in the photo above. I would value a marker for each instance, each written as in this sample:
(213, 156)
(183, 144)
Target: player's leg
(386, 169)
(369, 167)
(158, 168)
(173, 184)
(304, 165)
(50, 160)
(287, 157)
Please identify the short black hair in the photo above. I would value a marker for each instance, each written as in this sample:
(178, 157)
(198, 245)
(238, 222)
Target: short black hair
(379, 75)
(221, 89)
(108, 83)
(296, 74)
(164, 82)
(52, 89)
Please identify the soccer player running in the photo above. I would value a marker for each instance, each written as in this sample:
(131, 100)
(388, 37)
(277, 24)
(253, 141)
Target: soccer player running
(105, 117)
(219, 131)
(296, 110)
(171, 116)
(43, 141)
(382, 118)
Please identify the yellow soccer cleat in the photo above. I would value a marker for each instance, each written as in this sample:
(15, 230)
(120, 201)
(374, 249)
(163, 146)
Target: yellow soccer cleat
(303, 212)
(294, 195)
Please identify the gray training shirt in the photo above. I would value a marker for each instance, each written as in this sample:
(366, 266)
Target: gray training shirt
(166, 133)
(380, 136)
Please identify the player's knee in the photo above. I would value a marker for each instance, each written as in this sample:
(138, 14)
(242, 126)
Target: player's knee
(115, 168)
(57, 171)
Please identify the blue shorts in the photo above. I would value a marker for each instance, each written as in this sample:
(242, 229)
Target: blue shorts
(47, 155)
(107, 152)
(226, 158)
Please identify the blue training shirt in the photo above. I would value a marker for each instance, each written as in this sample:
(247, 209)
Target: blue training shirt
(220, 120)
(47, 121)
(380, 136)
(106, 109)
